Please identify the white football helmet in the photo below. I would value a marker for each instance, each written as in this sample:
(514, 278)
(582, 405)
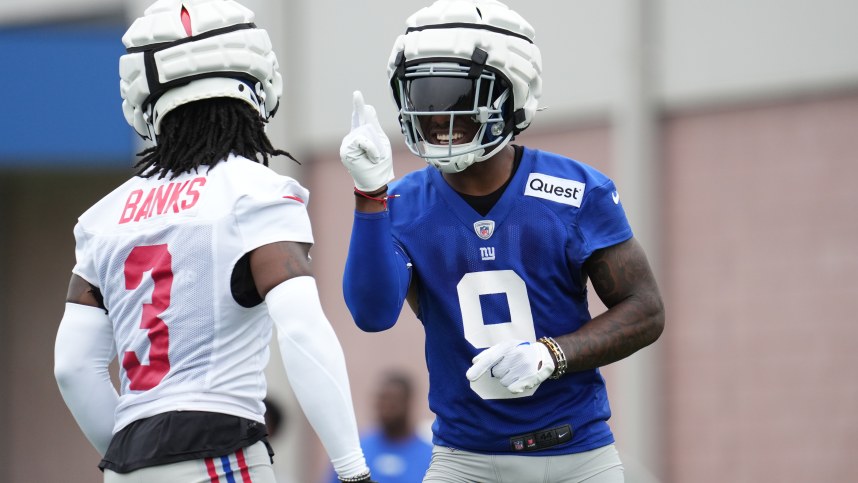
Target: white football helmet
(182, 51)
(473, 58)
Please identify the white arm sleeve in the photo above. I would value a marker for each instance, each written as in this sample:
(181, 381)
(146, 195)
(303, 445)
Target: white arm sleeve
(83, 350)
(316, 368)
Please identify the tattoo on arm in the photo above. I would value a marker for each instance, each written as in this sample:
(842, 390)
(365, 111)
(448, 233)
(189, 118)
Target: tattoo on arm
(622, 278)
(277, 262)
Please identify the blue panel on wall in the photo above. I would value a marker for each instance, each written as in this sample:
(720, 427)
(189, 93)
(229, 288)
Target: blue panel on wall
(59, 97)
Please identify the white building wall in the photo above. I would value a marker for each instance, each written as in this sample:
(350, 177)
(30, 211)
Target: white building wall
(740, 50)
(706, 51)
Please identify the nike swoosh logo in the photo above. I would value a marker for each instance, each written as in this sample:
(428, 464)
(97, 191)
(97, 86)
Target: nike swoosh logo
(560, 435)
(616, 197)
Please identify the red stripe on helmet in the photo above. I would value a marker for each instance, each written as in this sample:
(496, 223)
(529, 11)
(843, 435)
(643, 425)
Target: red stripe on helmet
(186, 21)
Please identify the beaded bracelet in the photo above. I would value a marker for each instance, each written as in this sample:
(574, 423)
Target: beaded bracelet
(356, 478)
(559, 357)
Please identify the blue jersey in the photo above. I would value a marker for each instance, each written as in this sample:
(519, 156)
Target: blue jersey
(514, 274)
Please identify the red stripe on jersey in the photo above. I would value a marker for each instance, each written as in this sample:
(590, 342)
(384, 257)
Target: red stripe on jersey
(294, 198)
(212, 471)
(242, 466)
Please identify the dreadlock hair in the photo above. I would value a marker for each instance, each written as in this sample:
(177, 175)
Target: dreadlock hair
(204, 133)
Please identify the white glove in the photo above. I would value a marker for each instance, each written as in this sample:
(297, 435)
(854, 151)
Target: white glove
(518, 364)
(365, 150)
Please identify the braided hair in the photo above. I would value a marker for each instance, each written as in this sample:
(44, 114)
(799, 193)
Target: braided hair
(204, 133)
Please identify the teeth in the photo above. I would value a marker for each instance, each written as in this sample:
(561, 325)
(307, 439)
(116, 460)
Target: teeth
(446, 137)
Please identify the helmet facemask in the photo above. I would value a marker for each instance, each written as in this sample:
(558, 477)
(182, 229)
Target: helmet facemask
(491, 46)
(452, 116)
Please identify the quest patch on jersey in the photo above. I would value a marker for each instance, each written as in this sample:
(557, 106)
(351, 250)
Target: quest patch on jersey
(561, 190)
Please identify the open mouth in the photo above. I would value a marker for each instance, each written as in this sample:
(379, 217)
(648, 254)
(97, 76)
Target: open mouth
(441, 134)
(445, 137)
(442, 131)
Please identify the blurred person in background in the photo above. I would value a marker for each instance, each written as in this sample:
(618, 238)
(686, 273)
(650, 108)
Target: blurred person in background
(185, 268)
(493, 245)
(276, 424)
(395, 451)
(275, 418)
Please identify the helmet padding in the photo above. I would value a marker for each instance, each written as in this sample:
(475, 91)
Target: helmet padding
(480, 35)
(165, 66)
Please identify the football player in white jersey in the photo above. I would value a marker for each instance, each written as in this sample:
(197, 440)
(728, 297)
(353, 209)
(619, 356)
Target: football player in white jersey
(493, 245)
(183, 270)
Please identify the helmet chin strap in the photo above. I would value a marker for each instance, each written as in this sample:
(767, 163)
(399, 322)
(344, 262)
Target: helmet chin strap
(260, 100)
(496, 149)
(150, 123)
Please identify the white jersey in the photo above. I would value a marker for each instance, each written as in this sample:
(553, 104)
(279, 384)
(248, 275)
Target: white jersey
(163, 252)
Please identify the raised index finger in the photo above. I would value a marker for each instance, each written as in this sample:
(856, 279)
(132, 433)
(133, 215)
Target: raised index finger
(358, 109)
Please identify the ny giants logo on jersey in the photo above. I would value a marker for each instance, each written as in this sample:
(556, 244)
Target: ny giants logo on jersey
(485, 229)
(167, 198)
(551, 188)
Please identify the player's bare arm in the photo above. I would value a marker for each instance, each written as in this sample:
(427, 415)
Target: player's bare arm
(275, 263)
(372, 202)
(622, 278)
(83, 293)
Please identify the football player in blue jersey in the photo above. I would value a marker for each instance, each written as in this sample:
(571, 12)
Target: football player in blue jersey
(493, 245)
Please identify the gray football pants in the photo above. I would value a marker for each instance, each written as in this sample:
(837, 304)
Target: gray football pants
(601, 465)
(251, 464)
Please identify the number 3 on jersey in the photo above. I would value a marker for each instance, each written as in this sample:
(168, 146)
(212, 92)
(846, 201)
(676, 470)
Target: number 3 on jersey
(482, 335)
(157, 259)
